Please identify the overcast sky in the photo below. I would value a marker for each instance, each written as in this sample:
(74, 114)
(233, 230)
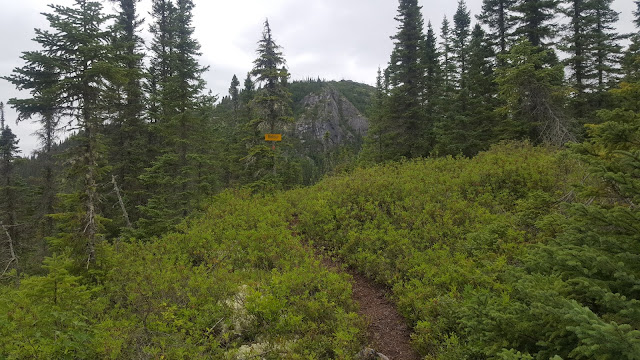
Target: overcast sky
(331, 39)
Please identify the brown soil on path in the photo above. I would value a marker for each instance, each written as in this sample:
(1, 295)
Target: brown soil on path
(387, 330)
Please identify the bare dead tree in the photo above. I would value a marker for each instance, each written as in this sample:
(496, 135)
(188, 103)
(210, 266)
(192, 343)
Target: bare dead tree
(121, 202)
(13, 258)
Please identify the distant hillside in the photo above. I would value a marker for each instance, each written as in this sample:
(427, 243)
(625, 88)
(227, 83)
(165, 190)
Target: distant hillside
(358, 94)
(330, 123)
(332, 112)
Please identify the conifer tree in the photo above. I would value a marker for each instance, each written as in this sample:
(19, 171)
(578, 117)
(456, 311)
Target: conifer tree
(271, 105)
(162, 45)
(468, 128)
(246, 96)
(497, 16)
(406, 128)
(533, 95)
(40, 77)
(535, 21)
(234, 94)
(460, 44)
(8, 198)
(183, 171)
(631, 60)
(576, 42)
(432, 73)
(77, 54)
(273, 100)
(373, 148)
(483, 91)
(607, 52)
(594, 54)
(448, 66)
(128, 132)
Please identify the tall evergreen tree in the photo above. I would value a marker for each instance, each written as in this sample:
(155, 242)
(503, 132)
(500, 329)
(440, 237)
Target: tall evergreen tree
(594, 54)
(161, 48)
(246, 96)
(272, 100)
(128, 132)
(8, 197)
(607, 52)
(40, 77)
(234, 95)
(483, 91)
(373, 148)
(533, 95)
(183, 171)
(460, 47)
(406, 129)
(631, 60)
(535, 21)
(497, 16)
(576, 43)
(448, 65)
(432, 73)
(77, 54)
(271, 104)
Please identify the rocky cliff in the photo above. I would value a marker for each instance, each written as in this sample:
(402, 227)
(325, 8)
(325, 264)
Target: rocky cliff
(327, 116)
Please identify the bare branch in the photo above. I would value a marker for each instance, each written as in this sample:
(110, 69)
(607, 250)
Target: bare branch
(122, 207)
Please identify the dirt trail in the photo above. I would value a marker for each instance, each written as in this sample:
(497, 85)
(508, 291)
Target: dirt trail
(387, 330)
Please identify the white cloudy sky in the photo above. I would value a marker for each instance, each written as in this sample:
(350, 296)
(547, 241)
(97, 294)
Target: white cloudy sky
(332, 39)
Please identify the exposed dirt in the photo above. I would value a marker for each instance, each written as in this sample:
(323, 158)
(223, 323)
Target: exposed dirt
(387, 330)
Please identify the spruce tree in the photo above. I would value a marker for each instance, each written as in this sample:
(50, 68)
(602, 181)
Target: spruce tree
(127, 132)
(533, 96)
(460, 44)
(590, 40)
(8, 198)
(448, 65)
(77, 54)
(406, 129)
(183, 171)
(373, 148)
(272, 100)
(606, 52)
(535, 21)
(432, 74)
(40, 77)
(271, 106)
(631, 59)
(483, 91)
(497, 16)
(161, 49)
(576, 43)
(234, 94)
(246, 96)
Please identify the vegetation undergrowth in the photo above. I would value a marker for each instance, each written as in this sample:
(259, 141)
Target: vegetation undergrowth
(437, 231)
(232, 284)
(486, 259)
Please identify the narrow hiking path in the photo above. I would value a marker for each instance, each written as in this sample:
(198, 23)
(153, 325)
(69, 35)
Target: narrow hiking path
(387, 330)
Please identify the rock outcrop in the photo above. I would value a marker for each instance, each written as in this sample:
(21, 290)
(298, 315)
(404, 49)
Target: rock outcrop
(327, 116)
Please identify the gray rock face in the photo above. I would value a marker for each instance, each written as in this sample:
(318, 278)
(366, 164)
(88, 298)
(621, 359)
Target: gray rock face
(330, 118)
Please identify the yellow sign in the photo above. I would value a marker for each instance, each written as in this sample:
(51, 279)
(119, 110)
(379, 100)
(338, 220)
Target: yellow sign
(272, 137)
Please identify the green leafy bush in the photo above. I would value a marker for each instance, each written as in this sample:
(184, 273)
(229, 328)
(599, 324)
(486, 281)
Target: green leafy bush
(437, 230)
